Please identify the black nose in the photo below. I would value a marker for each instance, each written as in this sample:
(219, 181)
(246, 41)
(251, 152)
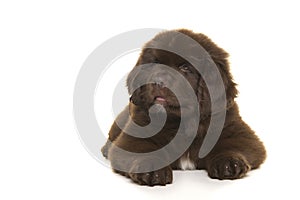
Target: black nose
(161, 78)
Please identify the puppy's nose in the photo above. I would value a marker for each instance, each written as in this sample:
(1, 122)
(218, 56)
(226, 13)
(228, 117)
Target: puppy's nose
(162, 79)
(159, 81)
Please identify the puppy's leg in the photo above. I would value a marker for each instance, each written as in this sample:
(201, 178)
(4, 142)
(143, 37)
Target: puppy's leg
(237, 151)
(115, 130)
(141, 169)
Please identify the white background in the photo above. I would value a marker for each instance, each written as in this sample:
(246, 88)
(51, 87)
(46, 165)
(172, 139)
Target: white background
(42, 48)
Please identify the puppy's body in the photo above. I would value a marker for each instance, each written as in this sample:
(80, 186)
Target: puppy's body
(237, 150)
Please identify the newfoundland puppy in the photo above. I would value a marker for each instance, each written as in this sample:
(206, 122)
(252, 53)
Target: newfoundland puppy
(182, 115)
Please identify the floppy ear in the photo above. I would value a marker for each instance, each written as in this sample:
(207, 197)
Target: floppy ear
(219, 57)
(131, 77)
(229, 84)
(131, 83)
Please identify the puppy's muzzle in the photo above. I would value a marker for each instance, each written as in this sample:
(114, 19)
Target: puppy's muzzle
(162, 79)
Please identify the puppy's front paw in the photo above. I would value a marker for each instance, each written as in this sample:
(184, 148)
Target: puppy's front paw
(159, 177)
(228, 167)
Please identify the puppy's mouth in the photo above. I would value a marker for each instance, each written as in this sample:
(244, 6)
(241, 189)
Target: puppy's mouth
(163, 96)
(167, 102)
(160, 100)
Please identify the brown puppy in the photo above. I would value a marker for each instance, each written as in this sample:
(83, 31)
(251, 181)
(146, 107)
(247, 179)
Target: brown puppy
(237, 149)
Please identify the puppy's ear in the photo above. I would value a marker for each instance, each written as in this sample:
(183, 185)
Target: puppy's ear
(220, 59)
(132, 82)
(229, 84)
(131, 77)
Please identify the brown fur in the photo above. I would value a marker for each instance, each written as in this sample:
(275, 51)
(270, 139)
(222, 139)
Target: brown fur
(238, 149)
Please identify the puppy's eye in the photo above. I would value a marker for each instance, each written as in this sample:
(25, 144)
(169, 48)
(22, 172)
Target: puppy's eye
(155, 60)
(184, 67)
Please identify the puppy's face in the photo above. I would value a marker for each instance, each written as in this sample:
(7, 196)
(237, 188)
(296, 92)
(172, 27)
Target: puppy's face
(158, 69)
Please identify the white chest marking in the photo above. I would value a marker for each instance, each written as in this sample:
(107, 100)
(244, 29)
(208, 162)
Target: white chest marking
(186, 163)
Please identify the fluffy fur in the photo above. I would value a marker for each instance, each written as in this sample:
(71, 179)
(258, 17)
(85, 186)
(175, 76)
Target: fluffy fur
(238, 149)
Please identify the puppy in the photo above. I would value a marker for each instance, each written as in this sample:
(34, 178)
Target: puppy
(171, 101)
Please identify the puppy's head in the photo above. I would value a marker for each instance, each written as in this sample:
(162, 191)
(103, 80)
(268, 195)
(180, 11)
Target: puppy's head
(168, 54)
